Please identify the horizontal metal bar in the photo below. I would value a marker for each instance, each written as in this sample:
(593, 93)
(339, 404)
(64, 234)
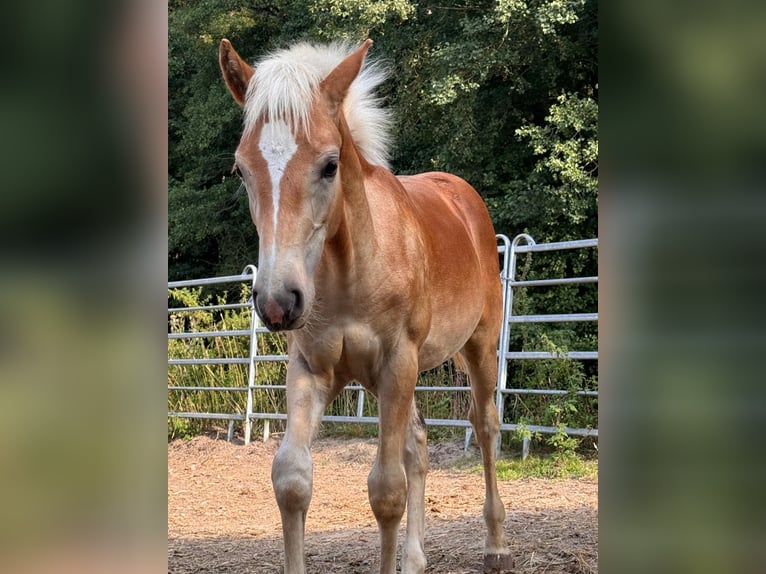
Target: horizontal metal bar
(349, 419)
(269, 358)
(216, 361)
(209, 307)
(177, 388)
(213, 416)
(362, 420)
(445, 388)
(548, 282)
(514, 427)
(436, 422)
(554, 318)
(361, 388)
(549, 430)
(374, 420)
(229, 361)
(210, 281)
(271, 416)
(432, 389)
(204, 334)
(547, 392)
(579, 355)
(448, 423)
(557, 246)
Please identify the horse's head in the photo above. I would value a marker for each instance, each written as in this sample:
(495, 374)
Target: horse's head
(289, 158)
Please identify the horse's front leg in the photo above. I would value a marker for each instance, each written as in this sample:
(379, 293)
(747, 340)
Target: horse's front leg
(292, 469)
(387, 483)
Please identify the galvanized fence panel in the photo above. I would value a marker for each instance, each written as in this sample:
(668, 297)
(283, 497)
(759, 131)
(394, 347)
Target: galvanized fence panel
(507, 250)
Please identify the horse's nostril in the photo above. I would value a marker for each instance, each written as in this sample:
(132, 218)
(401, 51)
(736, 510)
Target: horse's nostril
(281, 309)
(297, 301)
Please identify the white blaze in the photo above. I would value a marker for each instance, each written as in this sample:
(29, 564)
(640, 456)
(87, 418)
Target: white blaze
(277, 146)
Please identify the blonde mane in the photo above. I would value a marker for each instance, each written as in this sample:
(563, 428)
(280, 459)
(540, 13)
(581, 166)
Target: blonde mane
(284, 85)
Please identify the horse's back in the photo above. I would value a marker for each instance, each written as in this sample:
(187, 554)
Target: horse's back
(452, 212)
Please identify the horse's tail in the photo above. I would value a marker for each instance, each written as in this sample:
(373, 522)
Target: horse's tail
(460, 363)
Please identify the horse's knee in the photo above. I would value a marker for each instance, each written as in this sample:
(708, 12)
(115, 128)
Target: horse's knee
(388, 494)
(291, 476)
(416, 448)
(486, 424)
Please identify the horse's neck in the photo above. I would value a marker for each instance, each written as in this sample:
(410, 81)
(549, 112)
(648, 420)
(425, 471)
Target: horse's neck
(353, 242)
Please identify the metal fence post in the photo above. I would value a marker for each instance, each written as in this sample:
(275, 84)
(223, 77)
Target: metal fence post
(252, 365)
(360, 404)
(502, 344)
(509, 312)
(508, 276)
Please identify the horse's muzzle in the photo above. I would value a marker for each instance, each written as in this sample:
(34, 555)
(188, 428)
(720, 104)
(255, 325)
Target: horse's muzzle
(280, 311)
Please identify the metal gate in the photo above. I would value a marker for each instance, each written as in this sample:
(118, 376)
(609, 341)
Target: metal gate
(508, 250)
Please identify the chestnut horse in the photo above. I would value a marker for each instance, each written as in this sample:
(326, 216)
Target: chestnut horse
(374, 277)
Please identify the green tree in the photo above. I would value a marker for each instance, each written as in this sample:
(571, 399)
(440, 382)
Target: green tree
(209, 227)
(469, 84)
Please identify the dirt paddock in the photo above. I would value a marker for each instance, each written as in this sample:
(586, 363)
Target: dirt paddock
(222, 516)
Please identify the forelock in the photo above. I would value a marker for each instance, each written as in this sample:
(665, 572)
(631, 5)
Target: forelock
(285, 83)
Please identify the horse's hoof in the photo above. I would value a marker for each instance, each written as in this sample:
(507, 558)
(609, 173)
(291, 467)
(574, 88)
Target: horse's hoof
(498, 563)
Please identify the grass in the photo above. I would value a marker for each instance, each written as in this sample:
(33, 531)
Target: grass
(567, 465)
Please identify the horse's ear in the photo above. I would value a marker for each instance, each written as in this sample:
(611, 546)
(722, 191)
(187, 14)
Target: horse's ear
(336, 84)
(236, 72)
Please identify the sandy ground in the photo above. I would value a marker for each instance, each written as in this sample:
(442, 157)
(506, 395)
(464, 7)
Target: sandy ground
(222, 516)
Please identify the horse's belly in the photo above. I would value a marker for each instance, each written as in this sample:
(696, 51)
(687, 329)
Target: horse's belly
(447, 336)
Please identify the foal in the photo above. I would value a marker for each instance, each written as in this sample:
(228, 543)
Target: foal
(374, 277)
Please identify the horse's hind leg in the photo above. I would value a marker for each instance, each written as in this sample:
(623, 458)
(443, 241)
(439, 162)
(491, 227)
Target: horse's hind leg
(480, 357)
(415, 467)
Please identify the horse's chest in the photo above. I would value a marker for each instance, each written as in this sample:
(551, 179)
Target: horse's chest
(352, 352)
(362, 353)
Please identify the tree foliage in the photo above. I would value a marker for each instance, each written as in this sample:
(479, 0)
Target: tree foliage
(502, 93)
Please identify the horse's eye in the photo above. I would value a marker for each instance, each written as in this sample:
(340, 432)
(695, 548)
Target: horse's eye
(330, 169)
